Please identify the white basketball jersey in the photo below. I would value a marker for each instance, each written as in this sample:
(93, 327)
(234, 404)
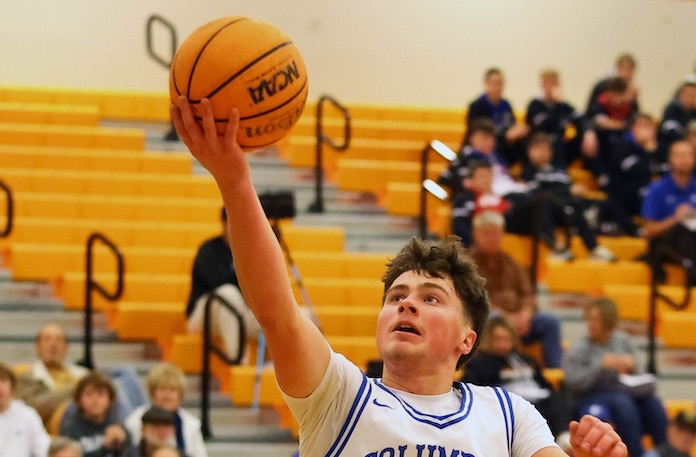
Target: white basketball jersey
(351, 415)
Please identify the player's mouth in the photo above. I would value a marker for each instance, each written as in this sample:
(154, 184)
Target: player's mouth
(405, 327)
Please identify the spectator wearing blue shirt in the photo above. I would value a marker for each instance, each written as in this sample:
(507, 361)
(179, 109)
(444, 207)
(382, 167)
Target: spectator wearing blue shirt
(491, 105)
(669, 208)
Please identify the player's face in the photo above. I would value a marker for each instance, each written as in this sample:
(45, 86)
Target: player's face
(422, 323)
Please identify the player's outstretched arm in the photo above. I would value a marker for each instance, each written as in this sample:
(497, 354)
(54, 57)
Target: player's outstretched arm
(299, 351)
(590, 437)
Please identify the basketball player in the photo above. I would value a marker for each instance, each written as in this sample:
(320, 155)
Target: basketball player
(434, 307)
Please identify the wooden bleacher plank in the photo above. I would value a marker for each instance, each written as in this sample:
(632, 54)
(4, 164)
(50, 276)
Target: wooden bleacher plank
(113, 104)
(584, 275)
(69, 158)
(40, 113)
(370, 175)
(71, 136)
(109, 183)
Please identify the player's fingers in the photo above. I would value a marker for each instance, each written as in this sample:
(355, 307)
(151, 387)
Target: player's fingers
(605, 444)
(232, 127)
(175, 113)
(191, 128)
(208, 121)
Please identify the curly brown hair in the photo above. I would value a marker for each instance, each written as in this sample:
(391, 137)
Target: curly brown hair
(440, 259)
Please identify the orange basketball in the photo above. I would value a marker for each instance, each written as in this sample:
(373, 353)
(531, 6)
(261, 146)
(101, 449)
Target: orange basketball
(244, 63)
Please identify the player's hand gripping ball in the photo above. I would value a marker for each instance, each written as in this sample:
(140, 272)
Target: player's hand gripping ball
(244, 63)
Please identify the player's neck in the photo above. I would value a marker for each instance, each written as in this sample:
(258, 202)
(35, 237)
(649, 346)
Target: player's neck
(418, 383)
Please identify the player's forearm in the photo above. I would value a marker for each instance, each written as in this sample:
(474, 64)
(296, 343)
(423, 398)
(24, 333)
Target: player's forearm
(258, 258)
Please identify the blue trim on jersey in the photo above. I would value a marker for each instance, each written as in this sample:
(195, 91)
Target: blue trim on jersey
(430, 419)
(361, 400)
(508, 414)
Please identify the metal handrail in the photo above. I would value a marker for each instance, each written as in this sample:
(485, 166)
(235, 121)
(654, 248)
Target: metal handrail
(164, 62)
(9, 224)
(318, 205)
(538, 199)
(92, 285)
(208, 347)
(657, 257)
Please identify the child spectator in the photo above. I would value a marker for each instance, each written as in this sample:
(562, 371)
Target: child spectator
(499, 362)
(625, 67)
(22, 433)
(166, 385)
(631, 167)
(491, 105)
(93, 423)
(681, 437)
(609, 116)
(157, 431)
(476, 197)
(62, 446)
(677, 114)
(550, 114)
(542, 176)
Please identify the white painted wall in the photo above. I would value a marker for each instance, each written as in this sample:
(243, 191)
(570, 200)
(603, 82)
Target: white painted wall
(410, 52)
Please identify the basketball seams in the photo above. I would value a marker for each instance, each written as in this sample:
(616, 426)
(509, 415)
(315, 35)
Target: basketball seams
(245, 68)
(202, 50)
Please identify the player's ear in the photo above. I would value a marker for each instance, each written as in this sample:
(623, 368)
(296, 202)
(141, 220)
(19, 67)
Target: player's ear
(469, 337)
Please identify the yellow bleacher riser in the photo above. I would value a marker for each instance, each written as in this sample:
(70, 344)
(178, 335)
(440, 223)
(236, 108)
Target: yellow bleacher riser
(585, 275)
(71, 136)
(403, 198)
(348, 321)
(633, 300)
(112, 104)
(382, 130)
(342, 291)
(319, 264)
(301, 151)
(138, 287)
(41, 113)
(123, 233)
(51, 261)
(70, 158)
(149, 320)
(677, 329)
(110, 183)
(108, 207)
(324, 238)
(370, 175)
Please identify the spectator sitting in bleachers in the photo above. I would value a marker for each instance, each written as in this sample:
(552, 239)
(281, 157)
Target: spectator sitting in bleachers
(510, 289)
(631, 168)
(62, 446)
(669, 211)
(499, 362)
(625, 67)
(609, 117)
(50, 381)
(93, 422)
(677, 114)
(549, 113)
(594, 367)
(157, 430)
(47, 385)
(166, 385)
(476, 197)
(213, 271)
(493, 106)
(681, 437)
(543, 177)
(22, 434)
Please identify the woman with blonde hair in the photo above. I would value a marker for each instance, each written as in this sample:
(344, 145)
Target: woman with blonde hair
(166, 386)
